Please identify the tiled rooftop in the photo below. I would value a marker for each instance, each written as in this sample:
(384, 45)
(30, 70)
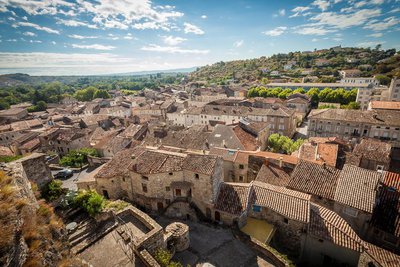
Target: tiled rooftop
(329, 226)
(315, 179)
(232, 198)
(357, 187)
(386, 215)
(274, 175)
(291, 204)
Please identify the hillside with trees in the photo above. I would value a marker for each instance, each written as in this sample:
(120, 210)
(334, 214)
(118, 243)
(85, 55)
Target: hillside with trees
(323, 63)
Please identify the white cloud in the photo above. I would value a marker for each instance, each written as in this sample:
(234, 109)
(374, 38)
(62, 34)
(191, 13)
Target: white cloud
(376, 35)
(75, 23)
(29, 34)
(238, 43)
(370, 43)
(11, 18)
(313, 31)
(94, 46)
(172, 49)
(376, 25)
(25, 18)
(282, 12)
(128, 37)
(300, 9)
(171, 40)
(321, 4)
(276, 32)
(314, 40)
(151, 25)
(37, 7)
(36, 26)
(53, 42)
(203, 16)
(343, 21)
(35, 41)
(190, 28)
(80, 37)
(122, 14)
(11, 40)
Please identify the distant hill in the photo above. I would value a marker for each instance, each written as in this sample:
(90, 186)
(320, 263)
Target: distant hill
(297, 64)
(21, 78)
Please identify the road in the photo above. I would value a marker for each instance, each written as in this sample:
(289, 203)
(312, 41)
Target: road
(70, 183)
(301, 132)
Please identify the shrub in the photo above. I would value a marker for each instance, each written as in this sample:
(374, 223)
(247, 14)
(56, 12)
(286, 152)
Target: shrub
(281, 143)
(7, 159)
(163, 257)
(52, 190)
(90, 201)
(78, 158)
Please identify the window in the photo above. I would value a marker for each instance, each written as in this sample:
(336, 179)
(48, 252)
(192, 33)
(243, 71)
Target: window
(241, 178)
(285, 220)
(145, 178)
(144, 188)
(178, 192)
(281, 127)
(350, 211)
(241, 166)
(167, 201)
(171, 173)
(196, 175)
(123, 179)
(167, 188)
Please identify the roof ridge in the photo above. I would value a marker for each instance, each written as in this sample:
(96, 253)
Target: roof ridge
(281, 192)
(361, 242)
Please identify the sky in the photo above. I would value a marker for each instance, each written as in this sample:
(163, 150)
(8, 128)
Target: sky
(76, 37)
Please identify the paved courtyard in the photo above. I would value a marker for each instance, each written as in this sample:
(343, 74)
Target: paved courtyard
(216, 246)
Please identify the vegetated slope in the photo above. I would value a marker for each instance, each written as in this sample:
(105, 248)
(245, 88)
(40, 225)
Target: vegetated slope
(30, 233)
(322, 62)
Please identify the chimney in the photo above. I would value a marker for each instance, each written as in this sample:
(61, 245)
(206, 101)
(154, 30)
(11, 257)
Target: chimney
(280, 162)
(223, 143)
(324, 165)
(266, 162)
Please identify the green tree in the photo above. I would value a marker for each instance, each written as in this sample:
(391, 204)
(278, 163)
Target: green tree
(90, 201)
(52, 190)
(383, 79)
(313, 93)
(283, 144)
(285, 93)
(101, 94)
(78, 158)
(253, 92)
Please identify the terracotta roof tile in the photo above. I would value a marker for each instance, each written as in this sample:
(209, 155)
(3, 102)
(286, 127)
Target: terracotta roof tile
(329, 226)
(386, 214)
(204, 164)
(291, 204)
(272, 174)
(232, 198)
(315, 179)
(383, 257)
(357, 187)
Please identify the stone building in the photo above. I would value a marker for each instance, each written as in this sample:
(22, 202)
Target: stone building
(354, 124)
(318, 180)
(372, 154)
(154, 179)
(287, 210)
(355, 196)
(280, 119)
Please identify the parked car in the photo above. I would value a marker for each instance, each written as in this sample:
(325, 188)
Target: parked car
(64, 174)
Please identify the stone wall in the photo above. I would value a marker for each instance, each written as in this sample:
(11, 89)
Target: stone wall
(316, 250)
(35, 168)
(359, 223)
(288, 236)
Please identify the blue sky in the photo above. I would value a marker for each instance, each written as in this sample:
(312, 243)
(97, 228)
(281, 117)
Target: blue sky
(76, 37)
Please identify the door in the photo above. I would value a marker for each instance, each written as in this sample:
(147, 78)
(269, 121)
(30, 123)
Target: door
(160, 206)
(217, 216)
(105, 194)
(208, 213)
(178, 192)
